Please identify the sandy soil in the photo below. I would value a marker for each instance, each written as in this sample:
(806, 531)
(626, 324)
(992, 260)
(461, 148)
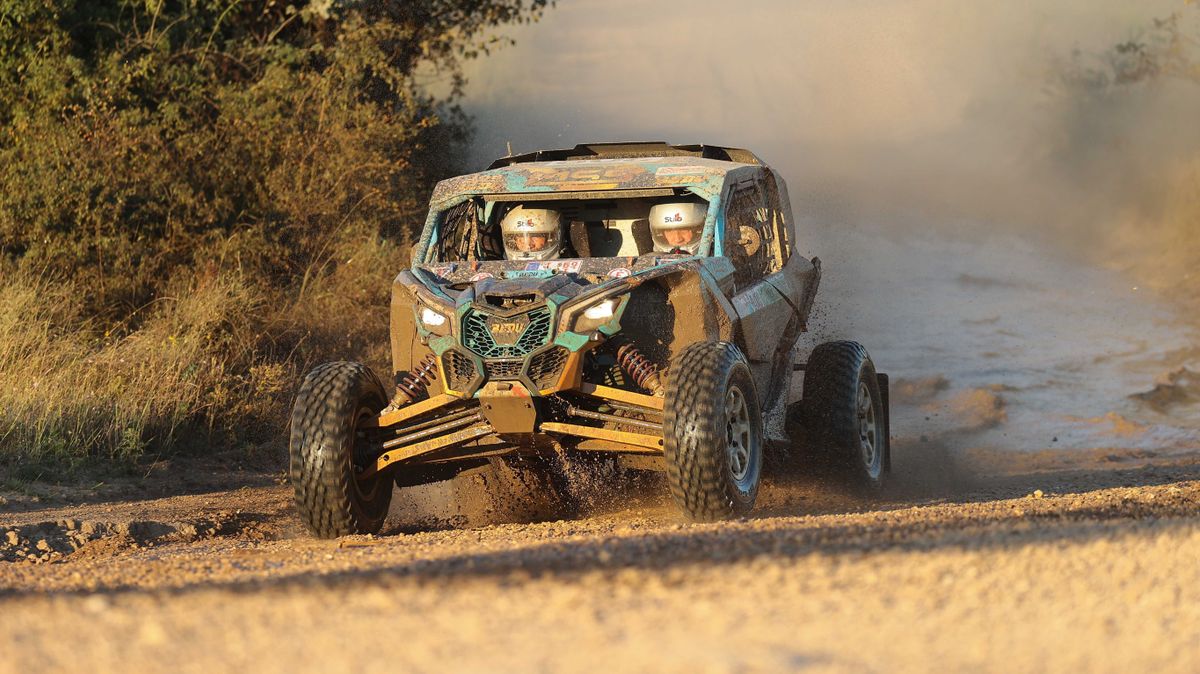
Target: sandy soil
(1087, 569)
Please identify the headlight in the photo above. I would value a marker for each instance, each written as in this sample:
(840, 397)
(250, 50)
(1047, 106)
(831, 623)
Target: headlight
(601, 312)
(595, 316)
(431, 318)
(434, 321)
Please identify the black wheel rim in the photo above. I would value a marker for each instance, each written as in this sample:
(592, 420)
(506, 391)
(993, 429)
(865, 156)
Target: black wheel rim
(869, 442)
(365, 489)
(741, 440)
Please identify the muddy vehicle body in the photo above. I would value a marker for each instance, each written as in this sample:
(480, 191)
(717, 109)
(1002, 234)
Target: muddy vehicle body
(675, 360)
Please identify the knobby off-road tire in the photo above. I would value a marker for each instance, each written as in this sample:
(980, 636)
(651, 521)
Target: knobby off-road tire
(712, 432)
(333, 401)
(843, 415)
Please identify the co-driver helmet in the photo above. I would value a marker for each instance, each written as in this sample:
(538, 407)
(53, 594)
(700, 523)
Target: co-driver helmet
(677, 226)
(532, 233)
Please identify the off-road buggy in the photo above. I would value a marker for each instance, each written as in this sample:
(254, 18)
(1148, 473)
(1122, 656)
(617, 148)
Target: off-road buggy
(677, 361)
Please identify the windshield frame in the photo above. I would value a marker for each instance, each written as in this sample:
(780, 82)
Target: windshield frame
(427, 248)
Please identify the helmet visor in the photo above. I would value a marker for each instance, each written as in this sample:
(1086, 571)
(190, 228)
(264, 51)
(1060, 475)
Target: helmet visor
(530, 242)
(683, 238)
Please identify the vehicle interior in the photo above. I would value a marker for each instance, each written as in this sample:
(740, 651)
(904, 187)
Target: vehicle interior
(605, 227)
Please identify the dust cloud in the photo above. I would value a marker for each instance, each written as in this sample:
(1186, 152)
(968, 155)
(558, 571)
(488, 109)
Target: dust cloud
(1010, 230)
(919, 116)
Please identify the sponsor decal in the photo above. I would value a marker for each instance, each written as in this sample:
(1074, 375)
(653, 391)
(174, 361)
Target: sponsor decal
(564, 266)
(592, 178)
(531, 273)
(754, 299)
(619, 272)
(480, 276)
(678, 171)
(678, 217)
(441, 270)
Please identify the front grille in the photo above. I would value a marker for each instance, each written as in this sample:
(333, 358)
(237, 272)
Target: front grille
(503, 369)
(545, 368)
(477, 336)
(459, 369)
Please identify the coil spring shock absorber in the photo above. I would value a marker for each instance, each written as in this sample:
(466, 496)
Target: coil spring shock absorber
(639, 368)
(415, 385)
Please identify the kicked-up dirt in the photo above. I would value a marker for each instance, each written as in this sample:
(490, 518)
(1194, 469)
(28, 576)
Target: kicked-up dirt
(1091, 567)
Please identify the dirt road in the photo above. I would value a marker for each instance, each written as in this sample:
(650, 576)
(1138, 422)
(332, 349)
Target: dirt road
(1092, 568)
(1045, 516)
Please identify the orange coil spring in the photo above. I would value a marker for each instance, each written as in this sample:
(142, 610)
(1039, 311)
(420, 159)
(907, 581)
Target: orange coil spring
(638, 367)
(415, 384)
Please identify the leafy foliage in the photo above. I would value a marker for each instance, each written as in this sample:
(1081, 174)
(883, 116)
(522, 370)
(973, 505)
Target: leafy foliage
(152, 150)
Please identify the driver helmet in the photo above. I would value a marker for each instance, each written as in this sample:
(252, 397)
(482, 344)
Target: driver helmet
(677, 226)
(532, 233)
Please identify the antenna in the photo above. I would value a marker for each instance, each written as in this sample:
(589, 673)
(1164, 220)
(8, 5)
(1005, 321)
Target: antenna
(508, 143)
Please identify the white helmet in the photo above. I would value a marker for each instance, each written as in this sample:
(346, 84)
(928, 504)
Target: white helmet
(677, 226)
(532, 233)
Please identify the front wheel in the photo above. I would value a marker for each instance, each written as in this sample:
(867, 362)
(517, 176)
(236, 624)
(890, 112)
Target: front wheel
(712, 432)
(843, 412)
(326, 453)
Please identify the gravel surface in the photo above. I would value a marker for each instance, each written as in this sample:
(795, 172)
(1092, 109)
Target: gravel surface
(1089, 569)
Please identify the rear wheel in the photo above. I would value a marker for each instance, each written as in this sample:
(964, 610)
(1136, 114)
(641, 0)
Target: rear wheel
(326, 453)
(712, 432)
(843, 413)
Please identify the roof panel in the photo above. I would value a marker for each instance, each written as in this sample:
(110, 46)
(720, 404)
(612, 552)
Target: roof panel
(630, 150)
(578, 175)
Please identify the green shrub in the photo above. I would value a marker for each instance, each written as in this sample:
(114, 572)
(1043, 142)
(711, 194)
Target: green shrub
(200, 199)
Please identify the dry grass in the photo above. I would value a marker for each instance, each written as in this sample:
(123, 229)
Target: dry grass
(213, 364)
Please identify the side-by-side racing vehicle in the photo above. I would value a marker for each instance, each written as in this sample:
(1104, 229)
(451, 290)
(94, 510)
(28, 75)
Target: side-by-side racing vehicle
(643, 300)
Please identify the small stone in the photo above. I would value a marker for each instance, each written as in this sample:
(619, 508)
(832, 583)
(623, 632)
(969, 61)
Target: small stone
(1037, 493)
(12, 538)
(43, 545)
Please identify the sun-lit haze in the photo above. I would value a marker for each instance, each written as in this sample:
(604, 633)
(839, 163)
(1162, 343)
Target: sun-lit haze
(981, 219)
(908, 110)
